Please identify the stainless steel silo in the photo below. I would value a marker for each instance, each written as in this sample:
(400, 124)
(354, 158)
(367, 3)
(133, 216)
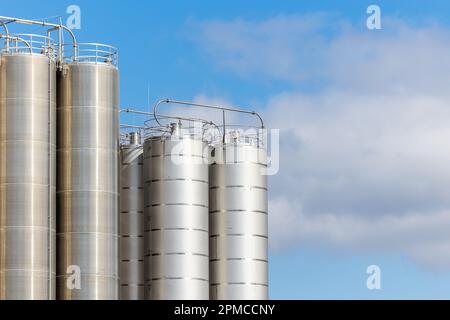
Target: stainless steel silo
(132, 219)
(27, 172)
(238, 222)
(87, 184)
(177, 208)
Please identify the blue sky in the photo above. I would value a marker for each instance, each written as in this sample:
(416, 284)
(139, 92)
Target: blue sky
(361, 192)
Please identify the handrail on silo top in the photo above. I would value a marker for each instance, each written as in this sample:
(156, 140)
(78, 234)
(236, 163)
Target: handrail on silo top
(160, 129)
(207, 106)
(17, 39)
(93, 53)
(39, 44)
(46, 24)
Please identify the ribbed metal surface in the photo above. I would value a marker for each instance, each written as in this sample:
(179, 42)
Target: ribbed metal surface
(27, 184)
(87, 189)
(238, 223)
(177, 209)
(131, 223)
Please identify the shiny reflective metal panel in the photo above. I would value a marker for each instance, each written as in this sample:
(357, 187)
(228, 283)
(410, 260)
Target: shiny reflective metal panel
(238, 223)
(87, 185)
(132, 222)
(177, 209)
(27, 184)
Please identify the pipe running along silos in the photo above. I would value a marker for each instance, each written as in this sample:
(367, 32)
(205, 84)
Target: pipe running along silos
(176, 166)
(132, 219)
(27, 168)
(238, 220)
(87, 185)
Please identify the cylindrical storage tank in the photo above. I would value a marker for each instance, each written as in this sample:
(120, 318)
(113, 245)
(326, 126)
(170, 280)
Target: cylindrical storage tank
(27, 175)
(87, 184)
(238, 223)
(177, 208)
(132, 220)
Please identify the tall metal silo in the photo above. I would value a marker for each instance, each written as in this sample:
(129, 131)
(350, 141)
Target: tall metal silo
(87, 184)
(238, 222)
(177, 239)
(27, 169)
(147, 227)
(132, 219)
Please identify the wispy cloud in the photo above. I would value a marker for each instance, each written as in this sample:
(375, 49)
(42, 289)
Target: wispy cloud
(277, 48)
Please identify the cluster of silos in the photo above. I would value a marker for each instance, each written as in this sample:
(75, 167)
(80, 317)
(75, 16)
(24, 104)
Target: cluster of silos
(206, 216)
(191, 222)
(58, 168)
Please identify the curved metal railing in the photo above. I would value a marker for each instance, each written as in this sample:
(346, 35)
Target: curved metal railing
(198, 128)
(96, 53)
(25, 43)
(242, 135)
(82, 52)
(163, 125)
(229, 133)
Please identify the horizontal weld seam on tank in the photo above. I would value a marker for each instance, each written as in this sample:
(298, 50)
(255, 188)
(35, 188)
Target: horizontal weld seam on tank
(178, 278)
(26, 183)
(239, 283)
(68, 107)
(239, 259)
(239, 162)
(132, 164)
(112, 150)
(131, 236)
(239, 210)
(132, 285)
(177, 254)
(89, 232)
(132, 212)
(237, 187)
(132, 188)
(239, 235)
(27, 98)
(27, 227)
(191, 180)
(91, 275)
(28, 141)
(179, 229)
(132, 260)
(44, 271)
(176, 204)
(86, 190)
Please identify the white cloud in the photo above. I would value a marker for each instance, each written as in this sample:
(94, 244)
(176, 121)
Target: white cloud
(365, 155)
(277, 47)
